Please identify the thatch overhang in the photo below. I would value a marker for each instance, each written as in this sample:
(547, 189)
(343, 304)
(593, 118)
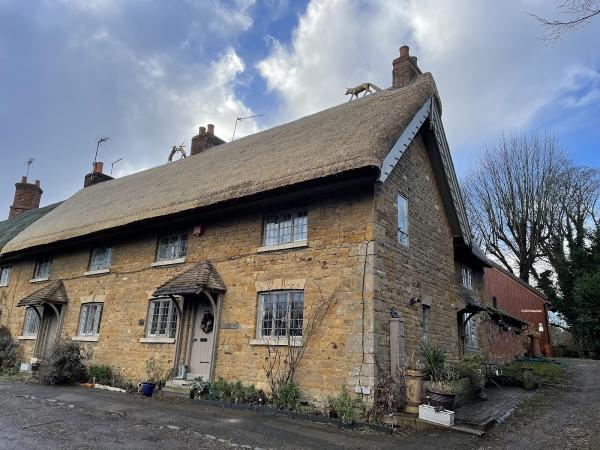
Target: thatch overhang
(200, 277)
(54, 292)
(348, 137)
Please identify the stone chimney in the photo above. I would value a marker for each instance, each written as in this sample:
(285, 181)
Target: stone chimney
(96, 176)
(404, 68)
(27, 196)
(205, 139)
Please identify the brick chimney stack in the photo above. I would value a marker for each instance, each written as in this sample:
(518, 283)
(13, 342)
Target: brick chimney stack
(205, 139)
(27, 197)
(404, 68)
(96, 176)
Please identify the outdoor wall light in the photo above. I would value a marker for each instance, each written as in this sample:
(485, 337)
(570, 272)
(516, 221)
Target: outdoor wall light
(415, 300)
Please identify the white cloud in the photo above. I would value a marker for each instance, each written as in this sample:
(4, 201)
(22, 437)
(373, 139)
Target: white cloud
(491, 68)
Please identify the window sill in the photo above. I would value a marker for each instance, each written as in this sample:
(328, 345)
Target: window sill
(270, 248)
(157, 340)
(96, 272)
(85, 338)
(38, 280)
(292, 342)
(168, 262)
(27, 338)
(4, 285)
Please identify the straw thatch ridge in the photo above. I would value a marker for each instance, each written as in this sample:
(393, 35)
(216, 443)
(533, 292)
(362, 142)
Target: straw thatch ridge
(350, 136)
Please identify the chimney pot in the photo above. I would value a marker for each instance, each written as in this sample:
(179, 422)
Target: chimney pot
(27, 197)
(96, 176)
(404, 68)
(98, 167)
(205, 139)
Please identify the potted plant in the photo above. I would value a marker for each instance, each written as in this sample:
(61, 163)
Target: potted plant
(156, 374)
(414, 384)
(440, 392)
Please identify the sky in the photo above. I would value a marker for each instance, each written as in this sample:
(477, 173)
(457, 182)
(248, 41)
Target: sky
(148, 73)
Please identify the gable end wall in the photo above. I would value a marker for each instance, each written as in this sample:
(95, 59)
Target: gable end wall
(424, 268)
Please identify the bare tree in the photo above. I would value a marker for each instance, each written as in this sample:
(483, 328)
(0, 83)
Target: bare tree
(285, 353)
(576, 14)
(513, 198)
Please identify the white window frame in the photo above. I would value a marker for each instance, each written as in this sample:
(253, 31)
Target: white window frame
(402, 218)
(155, 309)
(100, 259)
(470, 329)
(283, 334)
(5, 275)
(275, 229)
(180, 241)
(31, 317)
(467, 277)
(90, 318)
(42, 262)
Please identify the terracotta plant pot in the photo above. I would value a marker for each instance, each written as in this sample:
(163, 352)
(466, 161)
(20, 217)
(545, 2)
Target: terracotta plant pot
(414, 391)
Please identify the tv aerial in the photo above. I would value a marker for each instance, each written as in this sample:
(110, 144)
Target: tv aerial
(239, 119)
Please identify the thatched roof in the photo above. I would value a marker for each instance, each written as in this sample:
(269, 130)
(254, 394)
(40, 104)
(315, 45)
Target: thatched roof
(53, 292)
(350, 136)
(199, 277)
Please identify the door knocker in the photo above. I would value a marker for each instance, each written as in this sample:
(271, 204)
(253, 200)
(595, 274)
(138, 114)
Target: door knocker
(207, 322)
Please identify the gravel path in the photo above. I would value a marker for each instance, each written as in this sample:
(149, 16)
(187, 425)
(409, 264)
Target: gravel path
(559, 417)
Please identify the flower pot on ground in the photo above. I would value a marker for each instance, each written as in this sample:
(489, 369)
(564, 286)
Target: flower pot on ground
(414, 390)
(148, 389)
(157, 375)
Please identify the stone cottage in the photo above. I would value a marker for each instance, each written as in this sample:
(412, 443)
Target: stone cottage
(210, 262)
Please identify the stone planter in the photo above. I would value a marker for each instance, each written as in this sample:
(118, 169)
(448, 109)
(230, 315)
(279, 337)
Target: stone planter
(414, 391)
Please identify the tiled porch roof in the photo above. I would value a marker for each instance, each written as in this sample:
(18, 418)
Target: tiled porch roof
(470, 300)
(53, 292)
(202, 276)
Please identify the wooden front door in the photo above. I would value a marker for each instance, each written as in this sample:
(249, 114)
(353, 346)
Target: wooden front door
(203, 334)
(48, 329)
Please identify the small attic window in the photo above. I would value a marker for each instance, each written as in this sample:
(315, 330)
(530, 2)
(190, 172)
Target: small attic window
(42, 268)
(285, 228)
(172, 247)
(4, 275)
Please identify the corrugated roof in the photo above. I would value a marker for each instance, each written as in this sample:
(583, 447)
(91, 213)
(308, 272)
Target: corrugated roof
(350, 136)
(193, 281)
(11, 227)
(53, 292)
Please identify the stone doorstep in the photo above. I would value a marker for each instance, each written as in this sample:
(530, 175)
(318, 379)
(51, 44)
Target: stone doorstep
(180, 384)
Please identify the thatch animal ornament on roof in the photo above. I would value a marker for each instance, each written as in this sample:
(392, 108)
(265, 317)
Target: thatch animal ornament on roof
(365, 87)
(175, 149)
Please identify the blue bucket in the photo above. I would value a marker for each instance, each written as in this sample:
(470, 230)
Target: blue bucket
(148, 389)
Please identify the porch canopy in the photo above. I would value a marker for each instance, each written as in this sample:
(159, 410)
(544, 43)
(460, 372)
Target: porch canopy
(200, 277)
(472, 304)
(53, 293)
